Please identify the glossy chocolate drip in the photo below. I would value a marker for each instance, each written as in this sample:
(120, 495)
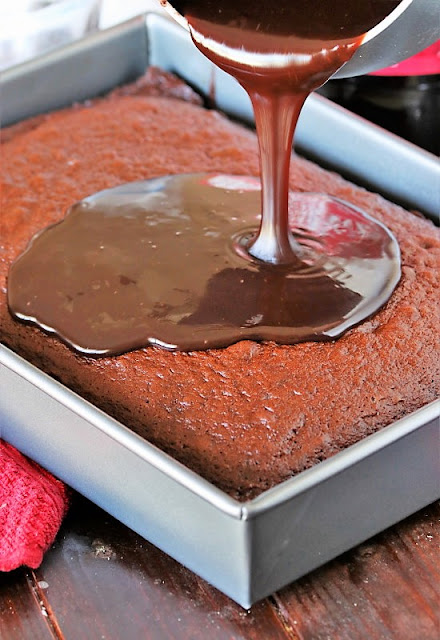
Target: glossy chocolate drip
(279, 52)
(129, 267)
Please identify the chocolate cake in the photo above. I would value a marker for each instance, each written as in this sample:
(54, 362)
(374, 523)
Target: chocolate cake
(253, 414)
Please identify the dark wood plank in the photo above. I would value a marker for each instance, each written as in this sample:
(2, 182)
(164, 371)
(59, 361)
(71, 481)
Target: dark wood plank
(104, 581)
(23, 615)
(388, 588)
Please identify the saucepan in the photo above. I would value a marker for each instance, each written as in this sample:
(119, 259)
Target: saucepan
(411, 27)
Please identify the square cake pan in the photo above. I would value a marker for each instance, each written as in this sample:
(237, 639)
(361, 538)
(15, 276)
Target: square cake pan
(247, 550)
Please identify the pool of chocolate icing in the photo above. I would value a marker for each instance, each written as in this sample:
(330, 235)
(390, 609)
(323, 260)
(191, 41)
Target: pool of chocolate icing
(164, 262)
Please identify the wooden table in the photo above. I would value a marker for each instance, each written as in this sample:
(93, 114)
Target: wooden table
(102, 581)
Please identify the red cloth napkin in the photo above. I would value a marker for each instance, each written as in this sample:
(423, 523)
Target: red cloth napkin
(424, 63)
(32, 506)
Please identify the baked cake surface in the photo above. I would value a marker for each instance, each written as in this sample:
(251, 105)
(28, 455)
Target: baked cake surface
(252, 415)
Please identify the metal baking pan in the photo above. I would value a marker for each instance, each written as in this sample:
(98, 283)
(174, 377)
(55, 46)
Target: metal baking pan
(247, 550)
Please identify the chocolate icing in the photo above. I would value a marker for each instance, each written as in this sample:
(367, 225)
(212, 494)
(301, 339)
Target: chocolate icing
(127, 268)
(154, 267)
(279, 52)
